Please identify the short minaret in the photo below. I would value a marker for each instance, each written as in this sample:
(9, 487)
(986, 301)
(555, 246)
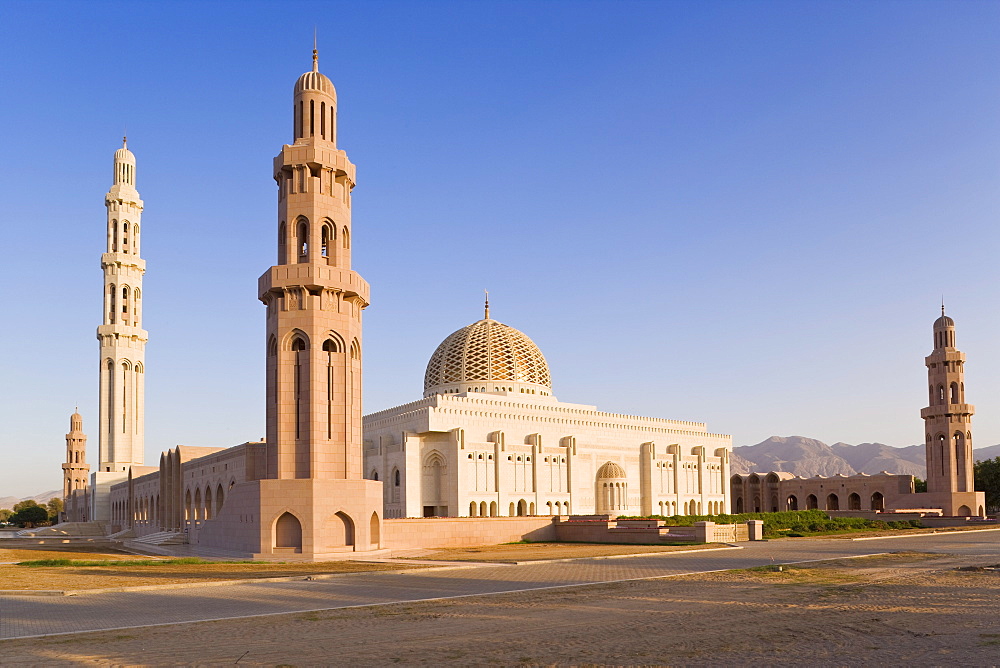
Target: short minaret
(948, 425)
(122, 339)
(75, 469)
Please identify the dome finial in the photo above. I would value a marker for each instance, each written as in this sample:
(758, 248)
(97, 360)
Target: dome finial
(942, 304)
(315, 52)
(487, 316)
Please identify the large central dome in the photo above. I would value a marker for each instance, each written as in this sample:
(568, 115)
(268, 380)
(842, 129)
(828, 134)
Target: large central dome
(487, 356)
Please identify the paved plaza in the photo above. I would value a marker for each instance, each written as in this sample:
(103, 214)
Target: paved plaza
(31, 616)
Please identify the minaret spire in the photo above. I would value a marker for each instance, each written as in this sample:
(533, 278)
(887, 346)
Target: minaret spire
(487, 316)
(315, 52)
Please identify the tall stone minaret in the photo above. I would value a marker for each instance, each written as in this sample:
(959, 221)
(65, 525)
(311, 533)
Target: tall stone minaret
(123, 341)
(75, 468)
(314, 301)
(948, 422)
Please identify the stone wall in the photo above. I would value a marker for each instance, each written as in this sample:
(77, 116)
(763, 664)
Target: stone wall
(464, 531)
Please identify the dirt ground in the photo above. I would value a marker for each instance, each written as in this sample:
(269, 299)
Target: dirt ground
(8, 555)
(515, 552)
(904, 609)
(70, 578)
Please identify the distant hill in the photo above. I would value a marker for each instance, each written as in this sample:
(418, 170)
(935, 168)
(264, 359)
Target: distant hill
(808, 457)
(41, 499)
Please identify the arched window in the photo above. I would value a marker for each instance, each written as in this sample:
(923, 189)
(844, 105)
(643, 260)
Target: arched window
(125, 304)
(114, 236)
(832, 502)
(322, 120)
(113, 306)
(811, 502)
(282, 244)
(219, 499)
(312, 118)
(355, 350)
(954, 393)
(792, 503)
(125, 237)
(303, 241)
(326, 240)
(347, 238)
(940, 394)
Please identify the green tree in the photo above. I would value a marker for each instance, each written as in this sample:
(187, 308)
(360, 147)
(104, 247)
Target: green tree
(30, 516)
(919, 485)
(5, 515)
(21, 505)
(987, 476)
(55, 507)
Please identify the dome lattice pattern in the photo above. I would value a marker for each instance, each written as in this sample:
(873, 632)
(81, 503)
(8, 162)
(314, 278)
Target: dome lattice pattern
(487, 351)
(611, 471)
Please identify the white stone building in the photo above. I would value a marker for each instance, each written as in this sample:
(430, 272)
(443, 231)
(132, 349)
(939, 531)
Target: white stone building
(490, 439)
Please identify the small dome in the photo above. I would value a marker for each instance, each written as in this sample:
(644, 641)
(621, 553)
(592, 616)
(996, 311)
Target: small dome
(488, 352)
(124, 155)
(611, 471)
(943, 321)
(315, 81)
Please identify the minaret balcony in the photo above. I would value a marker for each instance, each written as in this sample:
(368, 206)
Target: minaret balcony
(331, 158)
(946, 410)
(123, 259)
(312, 275)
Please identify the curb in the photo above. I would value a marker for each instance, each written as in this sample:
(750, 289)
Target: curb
(929, 533)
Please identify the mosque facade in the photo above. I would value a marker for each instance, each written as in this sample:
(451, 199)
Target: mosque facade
(490, 439)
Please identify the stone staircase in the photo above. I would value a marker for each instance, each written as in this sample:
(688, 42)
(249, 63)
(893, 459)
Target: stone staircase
(162, 538)
(68, 529)
(126, 534)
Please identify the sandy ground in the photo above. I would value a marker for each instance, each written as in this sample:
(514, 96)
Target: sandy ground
(905, 609)
(29, 554)
(69, 578)
(516, 552)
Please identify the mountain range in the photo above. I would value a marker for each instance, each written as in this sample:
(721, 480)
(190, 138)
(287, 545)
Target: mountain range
(41, 499)
(809, 457)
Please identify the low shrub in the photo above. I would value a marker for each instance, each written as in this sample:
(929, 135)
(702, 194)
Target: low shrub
(796, 523)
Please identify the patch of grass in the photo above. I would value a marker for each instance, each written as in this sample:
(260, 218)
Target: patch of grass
(793, 523)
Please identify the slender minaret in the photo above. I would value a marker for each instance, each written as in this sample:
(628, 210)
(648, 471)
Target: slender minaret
(314, 301)
(948, 419)
(75, 469)
(123, 341)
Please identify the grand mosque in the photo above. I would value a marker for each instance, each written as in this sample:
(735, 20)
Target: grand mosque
(488, 449)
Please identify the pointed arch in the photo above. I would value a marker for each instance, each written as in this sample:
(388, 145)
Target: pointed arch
(282, 243)
(302, 239)
(375, 531)
(220, 498)
(346, 236)
(355, 350)
(346, 525)
(288, 532)
(334, 343)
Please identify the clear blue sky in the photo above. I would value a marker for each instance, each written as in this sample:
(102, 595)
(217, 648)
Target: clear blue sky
(743, 213)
